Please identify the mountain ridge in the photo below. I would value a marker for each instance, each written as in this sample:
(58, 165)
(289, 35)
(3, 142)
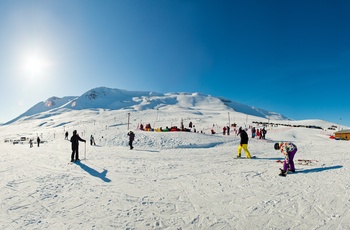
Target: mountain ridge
(116, 99)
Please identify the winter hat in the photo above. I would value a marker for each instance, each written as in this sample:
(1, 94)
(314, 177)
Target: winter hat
(277, 146)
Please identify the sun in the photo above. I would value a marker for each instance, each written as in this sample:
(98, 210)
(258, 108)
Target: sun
(35, 65)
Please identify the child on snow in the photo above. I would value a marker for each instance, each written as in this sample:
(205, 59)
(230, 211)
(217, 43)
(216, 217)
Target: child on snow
(288, 149)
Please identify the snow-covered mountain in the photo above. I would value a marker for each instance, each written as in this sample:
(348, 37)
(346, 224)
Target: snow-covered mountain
(116, 99)
(49, 104)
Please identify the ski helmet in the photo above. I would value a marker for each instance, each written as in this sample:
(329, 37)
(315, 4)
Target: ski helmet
(277, 146)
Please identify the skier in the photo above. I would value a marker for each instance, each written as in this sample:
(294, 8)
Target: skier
(92, 140)
(66, 136)
(30, 143)
(244, 143)
(131, 138)
(38, 141)
(288, 149)
(75, 146)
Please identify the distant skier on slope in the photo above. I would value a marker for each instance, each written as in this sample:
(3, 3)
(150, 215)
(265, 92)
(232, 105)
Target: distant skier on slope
(244, 143)
(92, 140)
(131, 135)
(289, 150)
(75, 146)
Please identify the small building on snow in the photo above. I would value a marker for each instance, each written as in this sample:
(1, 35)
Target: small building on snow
(343, 134)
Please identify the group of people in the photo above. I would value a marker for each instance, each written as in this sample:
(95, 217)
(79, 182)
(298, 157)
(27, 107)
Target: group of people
(226, 129)
(259, 133)
(76, 138)
(288, 149)
(31, 142)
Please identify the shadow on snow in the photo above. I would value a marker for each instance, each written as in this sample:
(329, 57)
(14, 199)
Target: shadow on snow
(313, 170)
(102, 175)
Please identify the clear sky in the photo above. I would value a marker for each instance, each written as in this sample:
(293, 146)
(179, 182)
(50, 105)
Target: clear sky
(290, 57)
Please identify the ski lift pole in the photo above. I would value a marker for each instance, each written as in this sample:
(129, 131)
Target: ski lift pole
(128, 120)
(85, 152)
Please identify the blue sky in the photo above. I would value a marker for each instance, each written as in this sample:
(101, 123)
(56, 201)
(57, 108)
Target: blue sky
(290, 57)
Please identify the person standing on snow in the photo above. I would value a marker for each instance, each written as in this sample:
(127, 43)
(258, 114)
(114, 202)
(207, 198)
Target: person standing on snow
(75, 146)
(131, 135)
(38, 141)
(263, 133)
(289, 150)
(244, 143)
(92, 140)
(253, 132)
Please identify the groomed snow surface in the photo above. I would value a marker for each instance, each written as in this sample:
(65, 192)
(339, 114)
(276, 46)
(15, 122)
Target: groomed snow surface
(170, 180)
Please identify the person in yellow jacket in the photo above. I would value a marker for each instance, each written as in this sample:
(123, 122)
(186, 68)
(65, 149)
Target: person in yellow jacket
(244, 143)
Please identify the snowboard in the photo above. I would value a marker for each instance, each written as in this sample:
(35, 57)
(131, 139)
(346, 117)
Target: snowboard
(252, 157)
(282, 173)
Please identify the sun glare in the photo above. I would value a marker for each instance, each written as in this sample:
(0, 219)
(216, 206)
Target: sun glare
(35, 65)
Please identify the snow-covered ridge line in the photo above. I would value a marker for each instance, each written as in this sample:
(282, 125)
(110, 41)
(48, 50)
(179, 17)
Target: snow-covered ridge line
(116, 99)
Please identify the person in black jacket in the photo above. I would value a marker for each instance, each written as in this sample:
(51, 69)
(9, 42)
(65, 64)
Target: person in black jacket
(75, 146)
(244, 143)
(131, 135)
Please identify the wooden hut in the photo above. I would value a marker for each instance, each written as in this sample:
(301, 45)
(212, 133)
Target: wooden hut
(343, 134)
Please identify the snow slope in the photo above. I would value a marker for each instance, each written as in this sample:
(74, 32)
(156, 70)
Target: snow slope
(171, 180)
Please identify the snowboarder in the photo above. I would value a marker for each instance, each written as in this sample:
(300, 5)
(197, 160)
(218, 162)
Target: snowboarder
(38, 141)
(75, 146)
(131, 135)
(244, 143)
(288, 149)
